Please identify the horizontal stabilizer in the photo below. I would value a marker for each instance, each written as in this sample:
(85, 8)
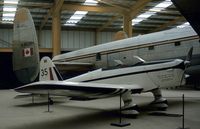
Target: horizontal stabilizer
(23, 96)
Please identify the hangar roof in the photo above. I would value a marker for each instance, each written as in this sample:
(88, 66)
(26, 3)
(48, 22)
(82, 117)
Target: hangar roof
(147, 15)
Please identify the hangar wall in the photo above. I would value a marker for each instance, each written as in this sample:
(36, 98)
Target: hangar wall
(6, 36)
(70, 40)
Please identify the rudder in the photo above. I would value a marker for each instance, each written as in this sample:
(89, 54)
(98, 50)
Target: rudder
(48, 70)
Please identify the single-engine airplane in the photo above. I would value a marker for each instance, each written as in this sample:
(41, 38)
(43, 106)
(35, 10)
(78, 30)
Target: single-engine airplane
(102, 83)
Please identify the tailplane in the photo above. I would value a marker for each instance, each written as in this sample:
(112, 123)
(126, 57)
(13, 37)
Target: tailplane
(48, 70)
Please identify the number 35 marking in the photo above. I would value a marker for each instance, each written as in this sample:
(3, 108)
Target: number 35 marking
(44, 72)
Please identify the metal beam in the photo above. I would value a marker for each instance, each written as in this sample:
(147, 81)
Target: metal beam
(132, 11)
(46, 18)
(114, 18)
(56, 34)
(30, 4)
(164, 26)
(41, 50)
(52, 11)
(56, 27)
(137, 7)
(127, 25)
(114, 5)
(58, 6)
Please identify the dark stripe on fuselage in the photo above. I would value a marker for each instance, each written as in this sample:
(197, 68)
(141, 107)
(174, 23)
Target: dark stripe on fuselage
(179, 66)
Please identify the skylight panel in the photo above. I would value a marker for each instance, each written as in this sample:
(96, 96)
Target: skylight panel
(78, 15)
(159, 7)
(80, 12)
(146, 15)
(164, 4)
(69, 24)
(138, 20)
(11, 2)
(9, 10)
(8, 14)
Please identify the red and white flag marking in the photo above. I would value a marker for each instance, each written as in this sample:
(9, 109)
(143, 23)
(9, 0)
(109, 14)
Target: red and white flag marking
(27, 52)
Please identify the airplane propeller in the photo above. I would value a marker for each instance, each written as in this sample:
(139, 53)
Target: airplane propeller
(187, 63)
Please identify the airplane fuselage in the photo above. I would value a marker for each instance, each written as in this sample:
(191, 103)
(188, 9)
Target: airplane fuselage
(148, 75)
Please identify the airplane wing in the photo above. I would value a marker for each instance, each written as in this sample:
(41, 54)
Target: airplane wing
(73, 66)
(77, 89)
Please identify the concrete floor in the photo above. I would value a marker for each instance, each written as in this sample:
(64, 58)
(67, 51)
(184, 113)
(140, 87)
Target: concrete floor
(96, 114)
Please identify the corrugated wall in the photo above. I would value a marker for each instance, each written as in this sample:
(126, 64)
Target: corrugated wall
(77, 39)
(70, 40)
(6, 36)
(105, 37)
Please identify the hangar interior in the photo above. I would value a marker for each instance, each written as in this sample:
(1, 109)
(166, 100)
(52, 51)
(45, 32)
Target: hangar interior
(67, 25)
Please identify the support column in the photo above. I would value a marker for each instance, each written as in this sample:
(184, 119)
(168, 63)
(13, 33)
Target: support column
(56, 34)
(127, 24)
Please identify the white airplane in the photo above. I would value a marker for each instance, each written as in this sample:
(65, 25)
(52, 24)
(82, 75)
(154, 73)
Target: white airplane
(121, 52)
(103, 83)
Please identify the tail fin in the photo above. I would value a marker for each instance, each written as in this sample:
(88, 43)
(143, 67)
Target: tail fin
(48, 70)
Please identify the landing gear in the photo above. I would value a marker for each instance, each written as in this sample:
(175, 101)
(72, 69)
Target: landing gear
(159, 102)
(50, 101)
(129, 109)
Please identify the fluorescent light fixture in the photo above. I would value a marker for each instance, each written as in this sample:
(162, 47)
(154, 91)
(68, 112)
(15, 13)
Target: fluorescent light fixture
(159, 7)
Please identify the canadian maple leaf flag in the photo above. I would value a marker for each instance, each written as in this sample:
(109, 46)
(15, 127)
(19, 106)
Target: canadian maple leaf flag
(27, 52)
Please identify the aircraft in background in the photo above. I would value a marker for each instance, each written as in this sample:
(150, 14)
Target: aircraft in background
(25, 47)
(122, 52)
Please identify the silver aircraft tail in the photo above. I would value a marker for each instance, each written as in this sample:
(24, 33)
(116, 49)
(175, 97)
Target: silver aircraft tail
(25, 47)
(48, 70)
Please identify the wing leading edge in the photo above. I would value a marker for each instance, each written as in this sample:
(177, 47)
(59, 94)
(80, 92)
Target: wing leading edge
(78, 89)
